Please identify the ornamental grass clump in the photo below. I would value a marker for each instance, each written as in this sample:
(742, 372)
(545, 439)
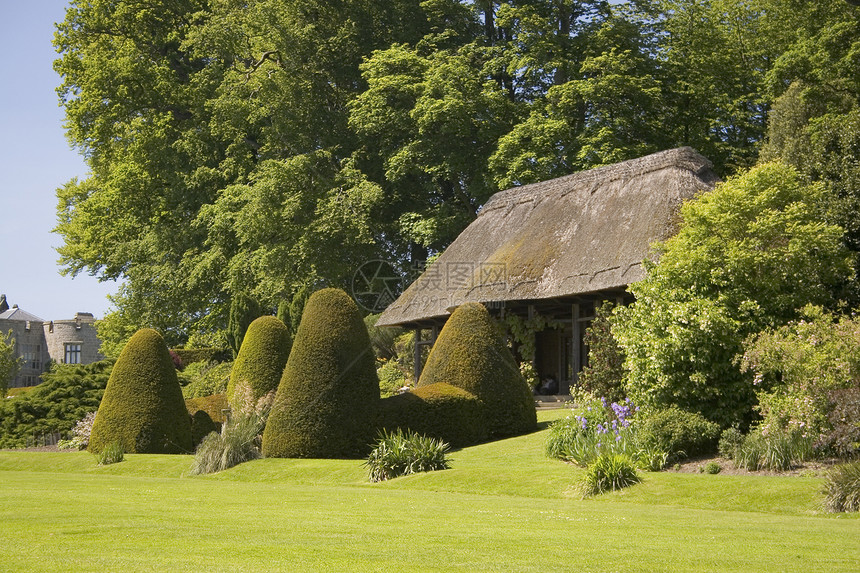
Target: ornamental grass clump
(113, 453)
(842, 488)
(400, 453)
(241, 439)
(775, 450)
(608, 472)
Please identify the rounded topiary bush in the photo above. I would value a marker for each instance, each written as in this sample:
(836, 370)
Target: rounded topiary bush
(471, 354)
(142, 407)
(438, 410)
(261, 360)
(327, 400)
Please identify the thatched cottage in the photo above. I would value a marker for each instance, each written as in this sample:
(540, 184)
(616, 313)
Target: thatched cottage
(556, 249)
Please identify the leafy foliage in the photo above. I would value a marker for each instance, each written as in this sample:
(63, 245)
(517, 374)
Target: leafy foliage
(401, 453)
(604, 374)
(843, 436)
(192, 355)
(201, 379)
(10, 363)
(712, 468)
(261, 360)
(113, 453)
(382, 338)
(243, 311)
(202, 425)
(815, 122)
(327, 400)
(142, 407)
(391, 378)
(680, 433)
(747, 255)
(471, 354)
(249, 150)
(66, 395)
(731, 441)
(776, 449)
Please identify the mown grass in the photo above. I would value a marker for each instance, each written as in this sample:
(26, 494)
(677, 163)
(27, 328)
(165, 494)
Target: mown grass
(502, 507)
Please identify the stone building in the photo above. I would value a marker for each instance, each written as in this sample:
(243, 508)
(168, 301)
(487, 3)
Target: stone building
(37, 342)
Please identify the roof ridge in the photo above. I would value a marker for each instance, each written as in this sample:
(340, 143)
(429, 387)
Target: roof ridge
(682, 157)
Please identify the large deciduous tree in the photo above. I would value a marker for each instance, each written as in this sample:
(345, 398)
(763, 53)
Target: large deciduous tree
(255, 149)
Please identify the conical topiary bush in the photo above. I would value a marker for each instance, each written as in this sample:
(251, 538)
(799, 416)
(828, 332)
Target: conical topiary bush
(327, 401)
(261, 359)
(142, 407)
(471, 354)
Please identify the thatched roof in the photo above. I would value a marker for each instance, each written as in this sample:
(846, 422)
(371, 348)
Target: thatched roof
(578, 234)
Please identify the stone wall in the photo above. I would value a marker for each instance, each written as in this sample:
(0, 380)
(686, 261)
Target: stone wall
(29, 345)
(77, 331)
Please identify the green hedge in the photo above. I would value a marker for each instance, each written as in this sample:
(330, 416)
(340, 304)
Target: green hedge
(142, 407)
(437, 410)
(471, 354)
(327, 401)
(201, 426)
(261, 360)
(213, 405)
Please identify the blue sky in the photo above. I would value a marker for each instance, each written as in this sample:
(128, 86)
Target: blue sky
(36, 159)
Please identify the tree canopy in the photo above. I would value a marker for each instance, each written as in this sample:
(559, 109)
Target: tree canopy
(254, 150)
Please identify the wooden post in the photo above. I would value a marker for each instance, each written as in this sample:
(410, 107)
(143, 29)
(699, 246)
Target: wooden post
(576, 345)
(416, 356)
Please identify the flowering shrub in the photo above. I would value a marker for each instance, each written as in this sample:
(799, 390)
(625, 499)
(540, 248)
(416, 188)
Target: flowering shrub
(799, 370)
(80, 434)
(597, 428)
(843, 439)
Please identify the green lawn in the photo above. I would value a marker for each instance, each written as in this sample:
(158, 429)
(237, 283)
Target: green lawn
(502, 507)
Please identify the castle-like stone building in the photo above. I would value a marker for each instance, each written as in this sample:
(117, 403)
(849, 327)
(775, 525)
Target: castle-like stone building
(37, 342)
